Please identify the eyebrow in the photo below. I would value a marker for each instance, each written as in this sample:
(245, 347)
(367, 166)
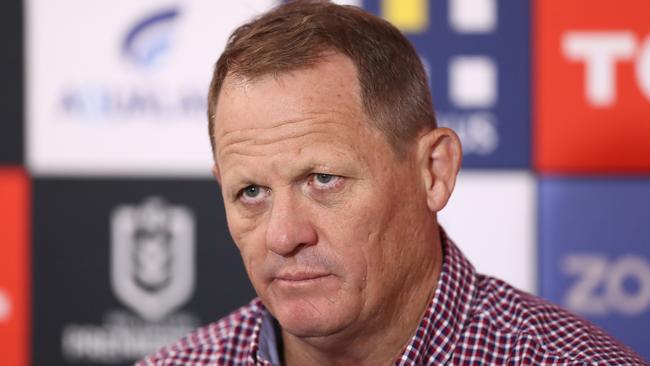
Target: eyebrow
(240, 177)
(243, 179)
(334, 158)
(240, 183)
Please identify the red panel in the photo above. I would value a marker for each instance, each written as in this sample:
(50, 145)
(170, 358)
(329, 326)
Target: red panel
(573, 131)
(14, 268)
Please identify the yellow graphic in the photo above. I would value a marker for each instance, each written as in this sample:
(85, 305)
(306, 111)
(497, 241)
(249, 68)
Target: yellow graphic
(410, 16)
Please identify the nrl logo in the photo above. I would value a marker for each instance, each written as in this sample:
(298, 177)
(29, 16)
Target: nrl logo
(152, 257)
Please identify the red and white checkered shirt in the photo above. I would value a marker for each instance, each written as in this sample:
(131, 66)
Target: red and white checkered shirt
(471, 320)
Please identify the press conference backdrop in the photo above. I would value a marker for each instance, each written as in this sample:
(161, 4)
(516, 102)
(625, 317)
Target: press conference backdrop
(113, 238)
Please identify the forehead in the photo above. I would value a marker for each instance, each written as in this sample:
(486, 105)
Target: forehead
(331, 87)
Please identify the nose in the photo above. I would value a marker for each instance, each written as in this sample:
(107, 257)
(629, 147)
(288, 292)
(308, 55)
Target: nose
(289, 227)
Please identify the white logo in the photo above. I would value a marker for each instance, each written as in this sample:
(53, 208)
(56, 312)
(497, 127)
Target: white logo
(599, 288)
(601, 52)
(152, 257)
(5, 306)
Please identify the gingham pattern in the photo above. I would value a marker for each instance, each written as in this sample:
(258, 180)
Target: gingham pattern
(472, 320)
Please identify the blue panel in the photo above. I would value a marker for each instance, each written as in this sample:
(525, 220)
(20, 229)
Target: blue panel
(595, 252)
(497, 136)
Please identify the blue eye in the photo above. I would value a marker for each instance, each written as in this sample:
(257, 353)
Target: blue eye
(251, 191)
(324, 178)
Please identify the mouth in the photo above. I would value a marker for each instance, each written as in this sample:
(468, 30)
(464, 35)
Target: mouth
(303, 282)
(297, 277)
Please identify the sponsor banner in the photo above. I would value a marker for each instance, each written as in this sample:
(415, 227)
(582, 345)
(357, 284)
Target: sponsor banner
(477, 56)
(14, 267)
(592, 86)
(133, 84)
(127, 266)
(491, 216)
(11, 103)
(595, 253)
(122, 88)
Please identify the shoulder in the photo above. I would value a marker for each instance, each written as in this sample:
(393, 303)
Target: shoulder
(534, 329)
(226, 341)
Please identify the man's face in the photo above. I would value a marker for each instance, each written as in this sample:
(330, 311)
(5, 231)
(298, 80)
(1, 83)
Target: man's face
(319, 206)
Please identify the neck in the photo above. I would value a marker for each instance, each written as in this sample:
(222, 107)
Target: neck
(379, 342)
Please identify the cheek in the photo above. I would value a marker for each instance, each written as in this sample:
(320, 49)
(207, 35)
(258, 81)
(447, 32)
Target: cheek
(367, 235)
(253, 256)
(249, 239)
(349, 237)
(239, 224)
(242, 228)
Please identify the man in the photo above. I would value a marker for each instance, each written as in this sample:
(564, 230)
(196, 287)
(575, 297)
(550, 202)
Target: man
(332, 171)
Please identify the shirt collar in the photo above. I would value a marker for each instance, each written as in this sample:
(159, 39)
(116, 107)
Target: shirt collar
(268, 342)
(260, 342)
(436, 335)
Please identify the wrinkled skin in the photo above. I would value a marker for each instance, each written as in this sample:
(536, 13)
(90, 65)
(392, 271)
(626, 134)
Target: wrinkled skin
(338, 234)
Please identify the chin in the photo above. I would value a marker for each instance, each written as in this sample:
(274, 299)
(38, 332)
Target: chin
(313, 317)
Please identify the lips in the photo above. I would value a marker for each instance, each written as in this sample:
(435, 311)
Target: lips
(300, 275)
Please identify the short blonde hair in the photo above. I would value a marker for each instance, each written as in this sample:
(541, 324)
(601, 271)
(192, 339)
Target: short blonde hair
(394, 86)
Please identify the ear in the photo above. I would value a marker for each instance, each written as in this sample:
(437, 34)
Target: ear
(439, 155)
(216, 172)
